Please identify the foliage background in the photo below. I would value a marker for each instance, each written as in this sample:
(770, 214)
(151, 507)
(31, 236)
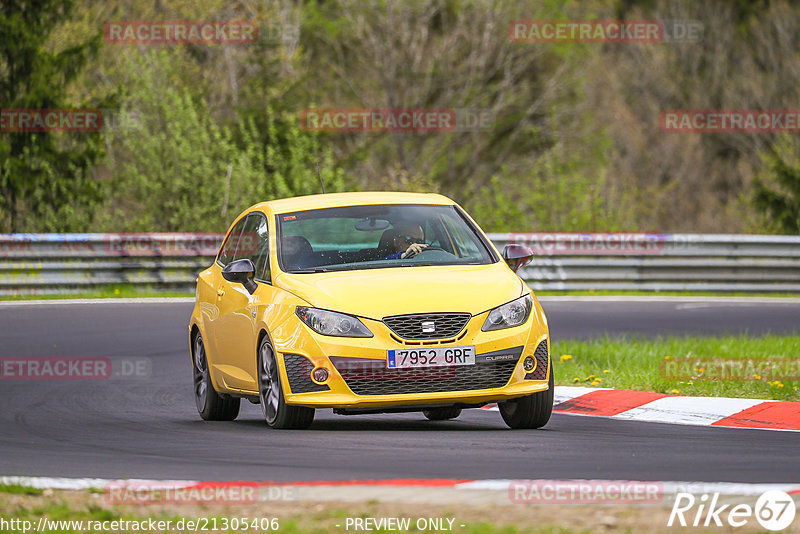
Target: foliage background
(199, 132)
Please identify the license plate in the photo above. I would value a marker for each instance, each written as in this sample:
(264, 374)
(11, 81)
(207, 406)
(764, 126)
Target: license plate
(431, 357)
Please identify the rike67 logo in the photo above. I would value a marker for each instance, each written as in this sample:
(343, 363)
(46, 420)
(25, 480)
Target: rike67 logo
(774, 510)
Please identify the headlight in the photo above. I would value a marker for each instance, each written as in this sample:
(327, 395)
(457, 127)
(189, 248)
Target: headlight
(514, 313)
(330, 323)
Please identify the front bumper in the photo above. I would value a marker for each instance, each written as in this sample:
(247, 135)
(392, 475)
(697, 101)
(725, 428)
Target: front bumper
(359, 377)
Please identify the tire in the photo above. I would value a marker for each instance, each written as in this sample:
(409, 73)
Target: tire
(531, 411)
(442, 414)
(210, 405)
(276, 412)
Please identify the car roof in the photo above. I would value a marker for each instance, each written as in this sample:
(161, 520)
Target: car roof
(335, 200)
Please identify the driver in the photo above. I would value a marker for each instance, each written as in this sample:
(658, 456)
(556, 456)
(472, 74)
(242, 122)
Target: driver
(408, 241)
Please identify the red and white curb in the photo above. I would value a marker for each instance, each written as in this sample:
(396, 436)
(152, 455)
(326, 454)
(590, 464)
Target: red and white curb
(676, 409)
(502, 485)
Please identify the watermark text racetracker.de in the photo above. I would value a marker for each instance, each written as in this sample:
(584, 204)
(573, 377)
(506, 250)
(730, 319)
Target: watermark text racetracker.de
(605, 31)
(130, 492)
(198, 524)
(74, 368)
(159, 32)
(602, 243)
(163, 244)
(397, 120)
(730, 120)
(585, 492)
(752, 369)
(51, 120)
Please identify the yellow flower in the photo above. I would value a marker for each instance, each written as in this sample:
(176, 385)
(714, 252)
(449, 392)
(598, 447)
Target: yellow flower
(667, 358)
(595, 382)
(565, 357)
(116, 291)
(576, 379)
(675, 391)
(757, 377)
(606, 371)
(590, 377)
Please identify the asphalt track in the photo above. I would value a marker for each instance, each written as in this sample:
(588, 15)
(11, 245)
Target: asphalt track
(141, 428)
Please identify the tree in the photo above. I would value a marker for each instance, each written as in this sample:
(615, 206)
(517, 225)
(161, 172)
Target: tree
(178, 168)
(777, 191)
(46, 178)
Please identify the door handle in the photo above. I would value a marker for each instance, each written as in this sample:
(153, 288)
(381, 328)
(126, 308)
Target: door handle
(220, 292)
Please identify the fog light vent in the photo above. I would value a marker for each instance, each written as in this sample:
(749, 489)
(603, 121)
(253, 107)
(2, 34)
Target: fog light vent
(529, 363)
(542, 363)
(319, 374)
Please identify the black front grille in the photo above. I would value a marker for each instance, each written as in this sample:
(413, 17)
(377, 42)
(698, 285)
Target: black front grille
(540, 372)
(444, 324)
(298, 369)
(372, 377)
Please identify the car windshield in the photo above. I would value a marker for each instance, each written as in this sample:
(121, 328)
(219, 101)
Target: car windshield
(373, 237)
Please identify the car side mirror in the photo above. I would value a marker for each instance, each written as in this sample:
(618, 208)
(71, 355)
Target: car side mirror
(241, 272)
(517, 256)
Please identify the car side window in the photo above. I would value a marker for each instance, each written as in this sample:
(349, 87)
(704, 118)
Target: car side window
(254, 245)
(228, 249)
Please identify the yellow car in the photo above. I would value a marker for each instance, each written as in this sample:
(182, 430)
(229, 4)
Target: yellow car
(367, 303)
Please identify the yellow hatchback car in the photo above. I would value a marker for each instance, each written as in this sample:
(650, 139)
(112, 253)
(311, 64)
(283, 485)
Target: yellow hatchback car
(367, 303)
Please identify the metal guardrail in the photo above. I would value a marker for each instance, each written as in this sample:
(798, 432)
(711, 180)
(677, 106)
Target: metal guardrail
(69, 263)
(63, 263)
(660, 262)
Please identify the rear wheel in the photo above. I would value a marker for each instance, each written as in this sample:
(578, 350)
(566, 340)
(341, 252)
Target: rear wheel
(531, 411)
(277, 413)
(210, 405)
(442, 414)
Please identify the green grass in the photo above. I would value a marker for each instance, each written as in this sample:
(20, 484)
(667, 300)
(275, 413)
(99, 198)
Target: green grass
(16, 489)
(635, 363)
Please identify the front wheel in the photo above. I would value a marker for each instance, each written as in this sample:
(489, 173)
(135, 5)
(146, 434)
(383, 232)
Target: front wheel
(277, 413)
(210, 405)
(530, 411)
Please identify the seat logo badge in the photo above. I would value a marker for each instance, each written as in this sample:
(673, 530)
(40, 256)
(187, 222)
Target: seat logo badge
(428, 327)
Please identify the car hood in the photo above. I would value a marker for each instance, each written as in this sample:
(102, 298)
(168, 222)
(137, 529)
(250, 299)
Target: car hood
(377, 293)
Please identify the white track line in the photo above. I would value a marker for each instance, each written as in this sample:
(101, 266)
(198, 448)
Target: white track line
(689, 410)
(669, 487)
(566, 393)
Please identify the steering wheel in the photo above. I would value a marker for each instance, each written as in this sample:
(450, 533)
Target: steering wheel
(428, 249)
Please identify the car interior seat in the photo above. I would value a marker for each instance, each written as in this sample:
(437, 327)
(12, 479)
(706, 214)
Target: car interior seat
(294, 249)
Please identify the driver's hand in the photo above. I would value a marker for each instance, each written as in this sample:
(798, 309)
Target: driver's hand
(413, 250)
